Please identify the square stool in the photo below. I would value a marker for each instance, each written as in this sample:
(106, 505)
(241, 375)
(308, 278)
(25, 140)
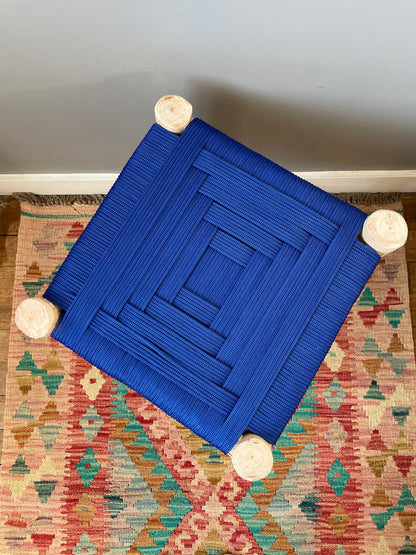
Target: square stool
(212, 281)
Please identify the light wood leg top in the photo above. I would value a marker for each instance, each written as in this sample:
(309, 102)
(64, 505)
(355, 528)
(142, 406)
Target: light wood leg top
(385, 231)
(37, 317)
(173, 113)
(252, 457)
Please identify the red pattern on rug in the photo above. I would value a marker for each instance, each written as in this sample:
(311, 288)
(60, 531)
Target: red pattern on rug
(91, 467)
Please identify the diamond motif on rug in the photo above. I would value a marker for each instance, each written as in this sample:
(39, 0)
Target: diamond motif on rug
(92, 383)
(85, 510)
(91, 423)
(88, 467)
(337, 477)
(336, 435)
(339, 520)
(334, 395)
(335, 357)
(310, 506)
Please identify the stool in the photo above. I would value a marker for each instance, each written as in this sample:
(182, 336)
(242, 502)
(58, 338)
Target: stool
(212, 282)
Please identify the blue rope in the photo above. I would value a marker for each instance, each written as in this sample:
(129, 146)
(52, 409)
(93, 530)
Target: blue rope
(213, 282)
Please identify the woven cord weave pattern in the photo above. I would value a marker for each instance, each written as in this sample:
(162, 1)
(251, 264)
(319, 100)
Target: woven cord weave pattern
(204, 282)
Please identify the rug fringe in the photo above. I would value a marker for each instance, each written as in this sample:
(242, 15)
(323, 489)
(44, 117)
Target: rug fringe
(65, 200)
(57, 200)
(368, 199)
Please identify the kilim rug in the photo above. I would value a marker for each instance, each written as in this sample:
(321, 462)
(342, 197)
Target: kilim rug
(91, 467)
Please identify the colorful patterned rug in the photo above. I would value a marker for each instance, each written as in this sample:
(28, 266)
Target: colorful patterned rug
(91, 467)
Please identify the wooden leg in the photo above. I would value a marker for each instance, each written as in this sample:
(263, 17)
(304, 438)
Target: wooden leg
(173, 113)
(37, 317)
(385, 231)
(252, 457)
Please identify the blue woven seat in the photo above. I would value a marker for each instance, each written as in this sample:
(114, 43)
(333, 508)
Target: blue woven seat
(213, 282)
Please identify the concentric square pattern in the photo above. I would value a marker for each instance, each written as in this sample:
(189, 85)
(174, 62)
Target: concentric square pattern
(213, 282)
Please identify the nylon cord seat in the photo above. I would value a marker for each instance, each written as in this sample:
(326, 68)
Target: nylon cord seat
(213, 282)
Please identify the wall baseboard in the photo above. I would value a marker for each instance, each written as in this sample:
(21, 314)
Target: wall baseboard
(373, 181)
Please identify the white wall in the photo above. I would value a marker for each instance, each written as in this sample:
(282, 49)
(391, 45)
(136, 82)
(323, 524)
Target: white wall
(314, 85)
